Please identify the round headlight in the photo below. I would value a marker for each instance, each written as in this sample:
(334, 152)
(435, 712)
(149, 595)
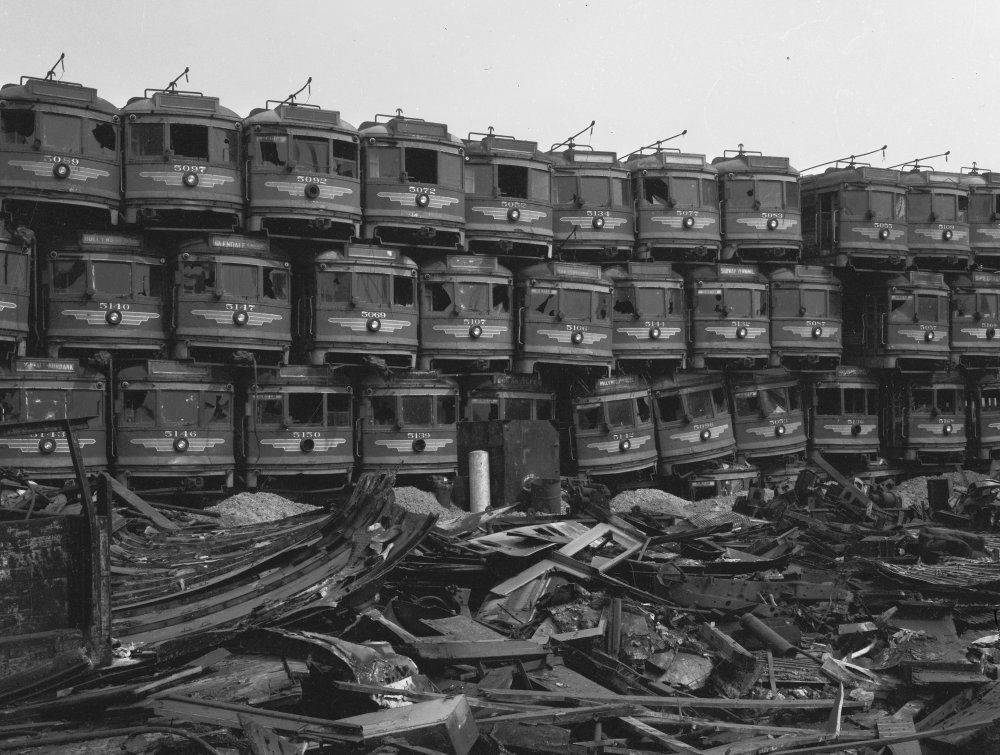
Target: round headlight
(772, 223)
(625, 445)
(513, 214)
(190, 180)
(307, 445)
(312, 191)
(654, 333)
(883, 233)
(706, 434)
(741, 332)
(991, 332)
(475, 331)
(817, 331)
(779, 430)
(929, 335)
(374, 325)
(419, 445)
(948, 429)
(241, 318)
(598, 223)
(856, 430)
(181, 445)
(423, 199)
(47, 445)
(947, 234)
(577, 337)
(113, 317)
(60, 170)
(688, 222)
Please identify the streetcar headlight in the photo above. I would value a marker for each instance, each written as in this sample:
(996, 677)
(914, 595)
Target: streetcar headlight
(883, 233)
(929, 335)
(948, 429)
(113, 317)
(374, 325)
(47, 445)
(513, 214)
(654, 333)
(190, 180)
(947, 234)
(61, 170)
(688, 222)
(241, 318)
(772, 223)
(423, 200)
(307, 445)
(598, 223)
(181, 445)
(475, 331)
(625, 445)
(741, 332)
(779, 430)
(817, 332)
(706, 434)
(312, 191)
(419, 445)
(577, 337)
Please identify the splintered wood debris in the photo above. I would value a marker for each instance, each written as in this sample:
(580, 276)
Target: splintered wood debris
(830, 617)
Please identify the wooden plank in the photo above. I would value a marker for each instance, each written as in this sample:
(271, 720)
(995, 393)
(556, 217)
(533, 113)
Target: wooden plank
(655, 701)
(657, 736)
(446, 723)
(126, 496)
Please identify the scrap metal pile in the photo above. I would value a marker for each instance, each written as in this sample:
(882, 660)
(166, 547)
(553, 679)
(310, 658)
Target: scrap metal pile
(829, 617)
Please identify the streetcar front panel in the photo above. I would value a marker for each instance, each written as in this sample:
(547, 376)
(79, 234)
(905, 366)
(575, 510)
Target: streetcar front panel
(182, 162)
(407, 424)
(564, 316)
(508, 198)
(730, 324)
(33, 390)
(649, 319)
(361, 302)
(106, 291)
(694, 422)
(937, 216)
(677, 207)
(613, 431)
(855, 216)
(806, 318)
(231, 293)
(466, 317)
(302, 173)
(299, 421)
(174, 427)
(975, 320)
(510, 397)
(59, 151)
(767, 413)
(984, 218)
(984, 419)
(761, 217)
(413, 184)
(924, 418)
(842, 410)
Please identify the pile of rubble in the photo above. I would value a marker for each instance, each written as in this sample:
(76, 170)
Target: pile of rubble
(832, 616)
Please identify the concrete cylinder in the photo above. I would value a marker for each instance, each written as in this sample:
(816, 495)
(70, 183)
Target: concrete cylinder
(479, 481)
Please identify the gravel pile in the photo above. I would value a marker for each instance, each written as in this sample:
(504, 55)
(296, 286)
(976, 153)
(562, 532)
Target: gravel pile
(914, 491)
(421, 502)
(253, 508)
(650, 501)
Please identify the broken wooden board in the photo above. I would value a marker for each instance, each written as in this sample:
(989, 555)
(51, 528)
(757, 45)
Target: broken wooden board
(446, 724)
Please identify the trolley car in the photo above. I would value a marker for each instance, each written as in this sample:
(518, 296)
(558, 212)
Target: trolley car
(806, 318)
(761, 219)
(407, 423)
(767, 414)
(302, 172)
(937, 216)
(677, 207)
(855, 216)
(923, 418)
(842, 410)
(508, 198)
(592, 214)
(649, 320)
(984, 217)
(182, 162)
(466, 320)
(729, 325)
(984, 418)
(298, 433)
(694, 423)
(357, 304)
(975, 320)
(15, 292)
(510, 396)
(59, 156)
(52, 389)
(563, 316)
(614, 437)
(413, 184)
(104, 291)
(231, 294)
(173, 428)
(898, 322)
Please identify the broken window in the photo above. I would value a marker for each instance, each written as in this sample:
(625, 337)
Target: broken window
(544, 301)
(44, 403)
(187, 140)
(828, 401)
(383, 410)
(311, 155)
(269, 409)
(305, 408)
(69, 275)
(481, 411)
(217, 408)
(272, 149)
(345, 158)
(625, 301)
(404, 290)
(642, 409)
(338, 410)
(747, 404)
(501, 298)
(149, 280)
(655, 191)
(225, 146)
(589, 417)
(178, 407)
(17, 126)
(10, 405)
(445, 406)
(100, 139)
(669, 408)
(198, 276)
(901, 307)
(275, 284)
(512, 180)
(708, 301)
(139, 407)
(421, 165)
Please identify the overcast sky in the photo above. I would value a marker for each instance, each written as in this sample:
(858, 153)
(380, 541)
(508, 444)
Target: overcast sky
(813, 80)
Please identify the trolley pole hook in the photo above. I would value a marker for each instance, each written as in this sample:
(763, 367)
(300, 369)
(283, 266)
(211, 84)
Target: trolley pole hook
(58, 64)
(850, 160)
(172, 86)
(916, 163)
(290, 99)
(569, 142)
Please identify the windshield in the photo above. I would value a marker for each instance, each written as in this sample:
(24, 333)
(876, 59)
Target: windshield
(446, 414)
(741, 194)
(595, 190)
(275, 284)
(539, 185)
(685, 191)
(574, 304)
(620, 413)
(240, 280)
(61, 133)
(919, 208)
(14, 270)
(888, 205)
(785, 302)
(178, 407)
(114, 278)
(706, 404)
(338, 410)
(69, 275)
(930, 308)
(198, 276)
(855, 202)
(333, 288)
(901, 307)
(988, 304)
(472, 297)
(17, 127)
(305, 408)
(655, 302)
(44, 403)
(311, 154)
(564, 189)
(417, 410)
(269, 409)
(589, 417)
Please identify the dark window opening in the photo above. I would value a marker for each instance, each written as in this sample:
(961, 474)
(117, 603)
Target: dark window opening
(345, 158)
(272, 149)
(669, 408)
(517, 408)
(338, 410)
(828, 402)
(69, 275)
(276, 285)
(437, 296)
(102, 140)
(305, 408)
(512, 181)
(446, 410)
(501, 298)
(217, 408)
(421, 165)
(588, 417)
(404, 290)
(655, 191)
(383, 410)
(189, 141)
(10, 405)
(17, 126)
(269, 410)
(198, 276)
